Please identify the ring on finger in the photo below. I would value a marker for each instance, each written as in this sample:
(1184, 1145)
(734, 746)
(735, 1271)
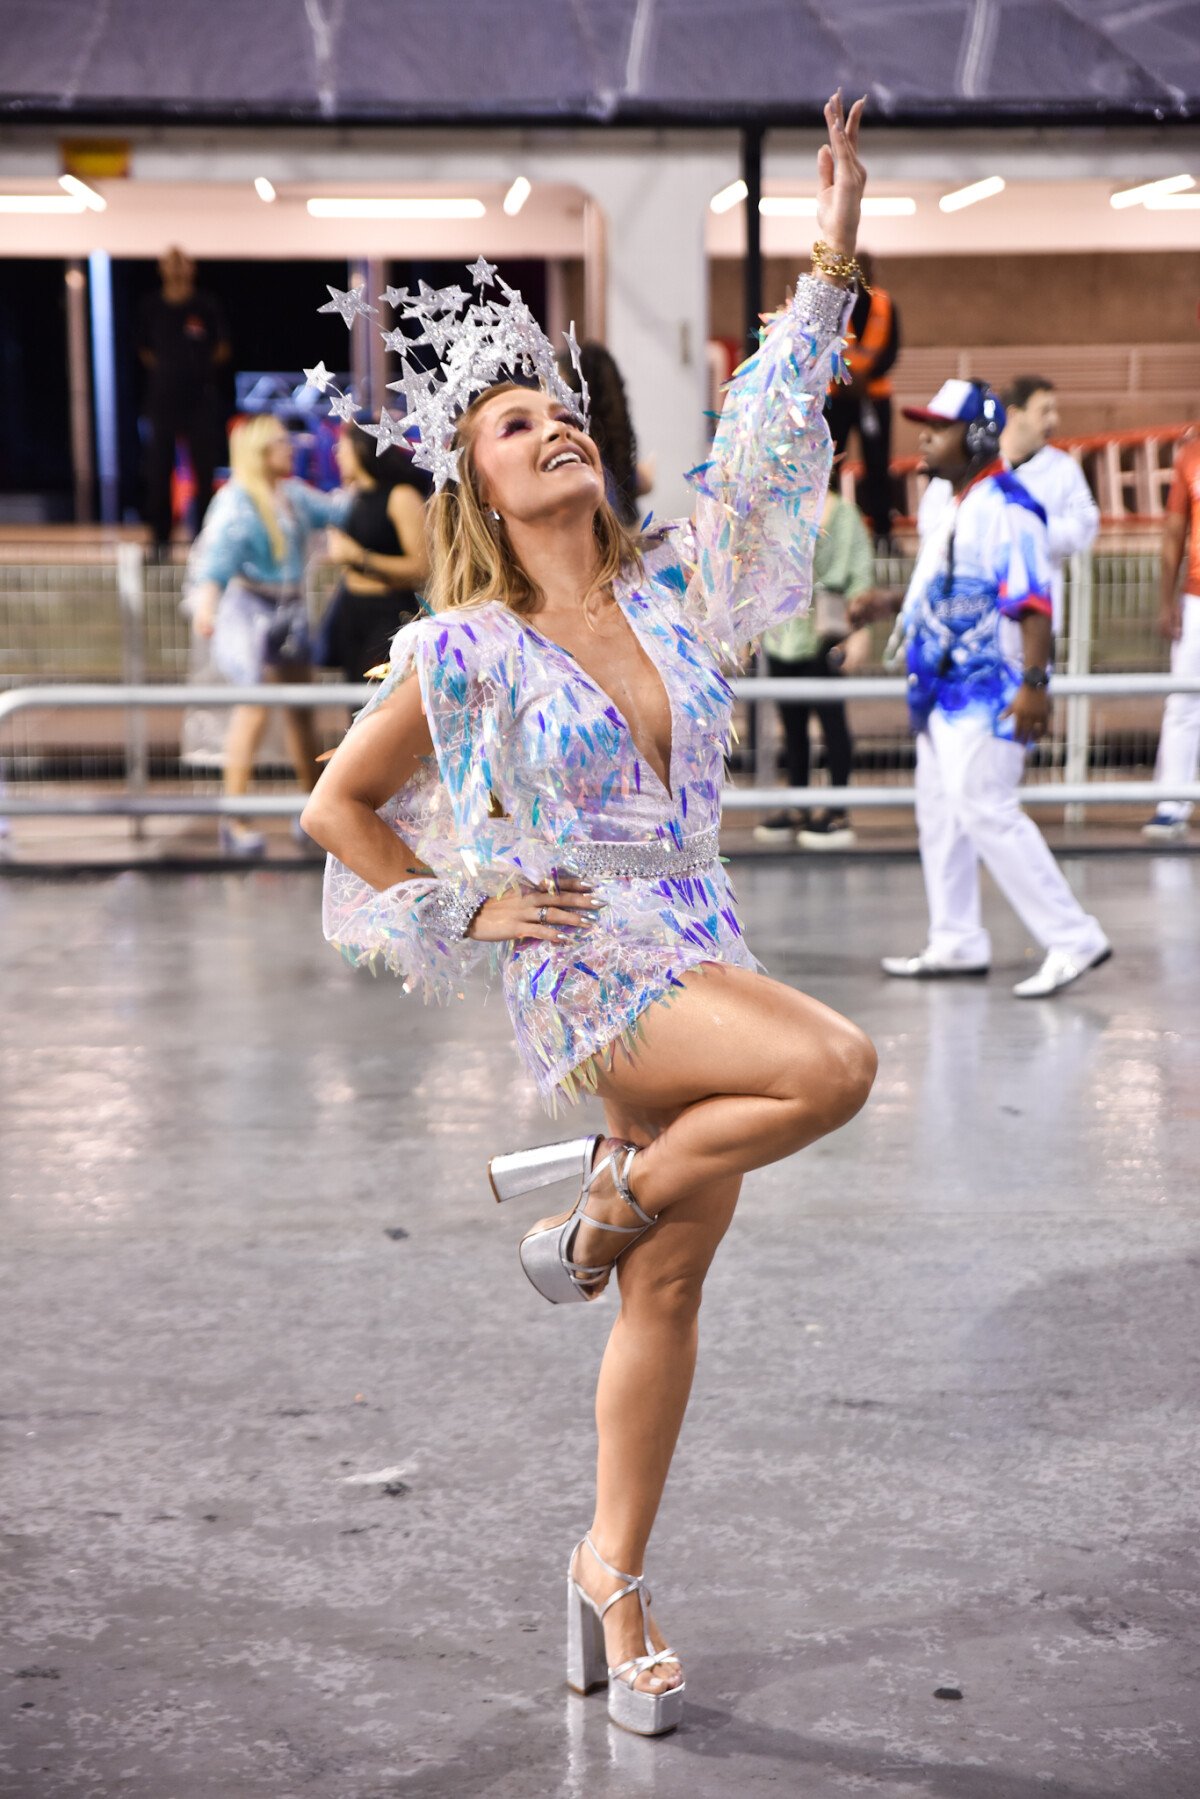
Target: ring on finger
(542, 910)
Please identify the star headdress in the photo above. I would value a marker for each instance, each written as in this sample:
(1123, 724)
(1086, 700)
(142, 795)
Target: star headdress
(478, 342)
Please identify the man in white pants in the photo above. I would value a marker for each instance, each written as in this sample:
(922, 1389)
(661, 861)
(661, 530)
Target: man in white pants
(976, 622)
(1179, 622)
(1054, 479)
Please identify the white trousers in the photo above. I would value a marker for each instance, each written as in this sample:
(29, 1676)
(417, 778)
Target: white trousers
(1179, 744)
(968, 812)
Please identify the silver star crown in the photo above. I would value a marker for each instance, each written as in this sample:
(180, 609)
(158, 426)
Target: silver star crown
(489, 341)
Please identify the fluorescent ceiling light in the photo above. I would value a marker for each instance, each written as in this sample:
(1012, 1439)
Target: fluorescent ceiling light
(516, 196)
(41, 203)
(967, 196)
(79, 190)
(729, 197)
(804, 206)
(396, 209)
(1149, 190)
(264, 188)
(1173, 203)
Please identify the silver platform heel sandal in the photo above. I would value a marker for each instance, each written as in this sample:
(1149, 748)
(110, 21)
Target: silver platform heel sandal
(546, 1253)
(646, 1714)
(527, 1169)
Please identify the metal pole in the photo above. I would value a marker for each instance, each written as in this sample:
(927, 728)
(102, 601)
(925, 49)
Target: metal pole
(752, 276)
(1079, 657)
(83, 467)
(104, 381)
(131, 597)
(752, 163)
(735, 799)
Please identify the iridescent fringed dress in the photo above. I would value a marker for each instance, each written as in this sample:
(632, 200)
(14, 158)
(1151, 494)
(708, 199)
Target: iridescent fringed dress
(536, 772)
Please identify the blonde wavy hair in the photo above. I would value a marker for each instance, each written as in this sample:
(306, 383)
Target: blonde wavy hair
(471, 560)
(248, 444)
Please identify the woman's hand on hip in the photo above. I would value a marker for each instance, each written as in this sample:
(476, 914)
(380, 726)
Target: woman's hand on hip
(841, 177)
(553, 912)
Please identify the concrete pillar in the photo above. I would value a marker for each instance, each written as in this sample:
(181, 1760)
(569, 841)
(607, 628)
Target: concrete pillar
(657, 301)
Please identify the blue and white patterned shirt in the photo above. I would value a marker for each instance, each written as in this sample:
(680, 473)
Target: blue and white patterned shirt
(983, 563)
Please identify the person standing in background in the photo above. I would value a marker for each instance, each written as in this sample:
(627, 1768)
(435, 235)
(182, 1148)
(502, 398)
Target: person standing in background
(976, 628)
(865, 405)
(1055, 479)
(810, 644)
(183, 344)
(1179, 622)
(245, 591)
(382, 552)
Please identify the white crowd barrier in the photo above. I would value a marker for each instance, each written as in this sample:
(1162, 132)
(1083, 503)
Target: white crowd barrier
(98, 672)
(753, 690)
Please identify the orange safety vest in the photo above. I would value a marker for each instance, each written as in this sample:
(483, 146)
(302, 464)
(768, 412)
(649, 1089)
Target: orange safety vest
(861, 352)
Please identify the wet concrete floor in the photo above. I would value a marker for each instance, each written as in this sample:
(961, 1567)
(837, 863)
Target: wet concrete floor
(294, 1456)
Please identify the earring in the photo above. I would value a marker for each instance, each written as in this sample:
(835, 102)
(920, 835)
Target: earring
(496, 515)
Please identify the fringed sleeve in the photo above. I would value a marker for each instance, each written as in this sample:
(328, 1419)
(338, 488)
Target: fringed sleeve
(762, 490)
(444, 813)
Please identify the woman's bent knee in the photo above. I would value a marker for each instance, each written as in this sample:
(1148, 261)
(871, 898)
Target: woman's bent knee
(859, 1062)
(833, 1083)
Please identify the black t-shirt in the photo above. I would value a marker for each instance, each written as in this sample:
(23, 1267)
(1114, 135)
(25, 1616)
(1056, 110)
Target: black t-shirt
(182, 336)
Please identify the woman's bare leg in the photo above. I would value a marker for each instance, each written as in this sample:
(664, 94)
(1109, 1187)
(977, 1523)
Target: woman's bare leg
(246, 727)
(751, 1071)
(800, 1070)
(298, 729)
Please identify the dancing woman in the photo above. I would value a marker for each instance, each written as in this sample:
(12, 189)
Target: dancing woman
(556, 766)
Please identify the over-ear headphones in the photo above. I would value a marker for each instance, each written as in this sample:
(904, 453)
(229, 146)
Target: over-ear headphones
(982, 439)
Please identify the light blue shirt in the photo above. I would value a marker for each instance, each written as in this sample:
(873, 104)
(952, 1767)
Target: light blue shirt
(234, 540)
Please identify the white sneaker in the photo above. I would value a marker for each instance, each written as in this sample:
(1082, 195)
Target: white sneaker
(781, 827)
(1163, 828)
(827, 831)
(1058, 971)
(928, 967)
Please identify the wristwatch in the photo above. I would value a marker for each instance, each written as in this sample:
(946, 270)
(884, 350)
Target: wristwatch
(1037, 678)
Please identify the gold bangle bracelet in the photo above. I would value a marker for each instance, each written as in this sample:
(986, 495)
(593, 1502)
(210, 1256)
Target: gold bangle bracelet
(839, 268)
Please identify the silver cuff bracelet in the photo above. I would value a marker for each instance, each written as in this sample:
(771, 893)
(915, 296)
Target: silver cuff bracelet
(819, 305)
(450, 908)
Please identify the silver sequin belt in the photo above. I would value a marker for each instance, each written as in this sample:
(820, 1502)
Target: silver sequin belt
(646, 861)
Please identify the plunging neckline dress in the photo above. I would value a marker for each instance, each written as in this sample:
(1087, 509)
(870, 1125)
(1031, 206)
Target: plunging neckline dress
(535, 771)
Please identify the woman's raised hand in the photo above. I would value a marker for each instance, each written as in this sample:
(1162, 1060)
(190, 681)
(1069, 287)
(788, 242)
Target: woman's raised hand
(553, 912)
(841, 177)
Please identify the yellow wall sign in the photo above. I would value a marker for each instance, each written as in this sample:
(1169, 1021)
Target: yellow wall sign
(95, 158)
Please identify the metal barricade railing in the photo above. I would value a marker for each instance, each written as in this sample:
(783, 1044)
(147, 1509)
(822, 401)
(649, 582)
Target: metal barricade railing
(753, 690)
(108, 616)
(76, 609)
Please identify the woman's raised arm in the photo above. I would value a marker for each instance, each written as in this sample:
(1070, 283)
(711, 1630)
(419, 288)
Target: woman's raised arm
(762, 491)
